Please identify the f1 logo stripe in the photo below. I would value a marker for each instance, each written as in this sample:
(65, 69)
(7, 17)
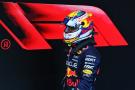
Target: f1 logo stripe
(33, 39)
(36, 32)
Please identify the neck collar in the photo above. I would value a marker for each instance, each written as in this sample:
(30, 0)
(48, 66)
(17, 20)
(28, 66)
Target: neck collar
(83, 44)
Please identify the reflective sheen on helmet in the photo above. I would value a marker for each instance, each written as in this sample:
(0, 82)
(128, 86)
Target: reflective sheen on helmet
(79, 26)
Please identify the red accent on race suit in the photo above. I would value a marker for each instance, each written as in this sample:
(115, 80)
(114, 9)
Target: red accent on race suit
(72, 83)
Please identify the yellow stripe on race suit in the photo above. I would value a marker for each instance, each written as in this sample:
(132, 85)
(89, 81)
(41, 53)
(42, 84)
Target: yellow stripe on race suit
(86, 71)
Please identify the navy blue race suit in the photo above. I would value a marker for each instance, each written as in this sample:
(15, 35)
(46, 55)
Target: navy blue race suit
(82, 67)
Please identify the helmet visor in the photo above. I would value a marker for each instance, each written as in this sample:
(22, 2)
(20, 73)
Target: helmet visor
(70, 29)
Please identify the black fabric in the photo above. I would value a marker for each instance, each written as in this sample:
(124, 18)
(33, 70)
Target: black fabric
(82, 44)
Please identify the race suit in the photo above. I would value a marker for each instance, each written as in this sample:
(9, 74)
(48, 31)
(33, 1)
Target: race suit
(82, 68)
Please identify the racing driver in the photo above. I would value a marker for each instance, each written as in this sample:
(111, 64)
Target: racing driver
(82, 65)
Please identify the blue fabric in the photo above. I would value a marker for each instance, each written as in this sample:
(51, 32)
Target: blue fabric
(84, 68)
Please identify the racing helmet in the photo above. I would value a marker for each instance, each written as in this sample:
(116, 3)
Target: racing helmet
(79, 26)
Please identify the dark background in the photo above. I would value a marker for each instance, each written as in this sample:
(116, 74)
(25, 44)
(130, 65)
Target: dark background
(44, 69)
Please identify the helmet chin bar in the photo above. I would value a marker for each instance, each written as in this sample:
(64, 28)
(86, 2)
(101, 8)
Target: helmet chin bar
(82, 37)
(76, 41)
(79, 39)
(72, 35)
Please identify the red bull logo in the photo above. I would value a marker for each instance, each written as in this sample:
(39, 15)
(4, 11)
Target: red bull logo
(71, 83)
(71, 73)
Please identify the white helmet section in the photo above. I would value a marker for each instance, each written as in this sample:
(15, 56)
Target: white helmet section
(84, 36)
(72, 35)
